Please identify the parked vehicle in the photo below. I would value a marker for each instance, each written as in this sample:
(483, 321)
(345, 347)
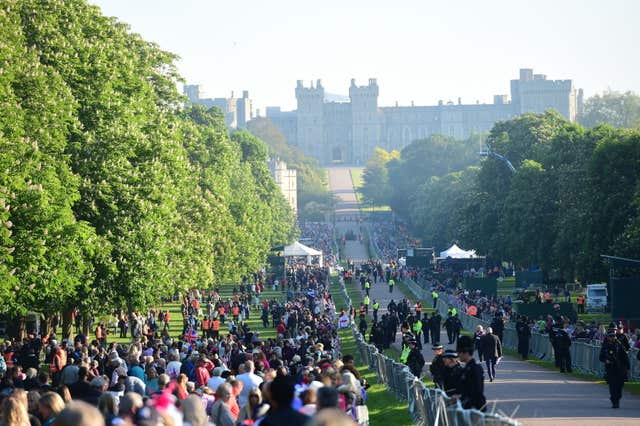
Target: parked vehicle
(597, 298)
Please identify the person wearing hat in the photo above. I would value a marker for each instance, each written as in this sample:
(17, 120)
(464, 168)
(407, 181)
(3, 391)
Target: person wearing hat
(616, 366)
(415, 360)
(451, 372)
(622, 337)
(437, 366)
(471, 384)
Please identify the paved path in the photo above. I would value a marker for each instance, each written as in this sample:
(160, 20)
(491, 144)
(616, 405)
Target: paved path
(534, 395)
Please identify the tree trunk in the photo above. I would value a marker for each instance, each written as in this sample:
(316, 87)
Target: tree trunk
(47, 327)
(22, 328)
(67, 323)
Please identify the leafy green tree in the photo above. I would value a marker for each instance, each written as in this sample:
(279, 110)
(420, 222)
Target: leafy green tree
(620, 110)
(311, 179)
(423, 158)
(375, 188)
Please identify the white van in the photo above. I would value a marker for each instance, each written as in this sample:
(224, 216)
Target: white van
(597, 297)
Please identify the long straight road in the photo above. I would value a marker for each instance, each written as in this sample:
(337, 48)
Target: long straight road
(534, 395)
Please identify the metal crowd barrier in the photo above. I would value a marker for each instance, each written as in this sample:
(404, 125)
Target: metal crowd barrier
(585, 355)
(427, 406)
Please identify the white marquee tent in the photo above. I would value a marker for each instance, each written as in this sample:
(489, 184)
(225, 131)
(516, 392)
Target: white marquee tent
(298, 249)
(456, 252)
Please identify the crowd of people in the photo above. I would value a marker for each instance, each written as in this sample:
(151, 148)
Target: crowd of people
(319, 235)
(217, 370)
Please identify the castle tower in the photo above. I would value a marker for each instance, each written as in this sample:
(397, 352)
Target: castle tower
(364, 117)
(310, 119)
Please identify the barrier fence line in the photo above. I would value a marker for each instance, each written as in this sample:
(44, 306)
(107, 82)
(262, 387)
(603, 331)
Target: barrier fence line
(585, 355)
(427, 406)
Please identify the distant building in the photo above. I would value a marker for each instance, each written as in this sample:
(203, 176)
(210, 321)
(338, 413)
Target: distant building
(237, 112)
(287, 181)
(350, 131)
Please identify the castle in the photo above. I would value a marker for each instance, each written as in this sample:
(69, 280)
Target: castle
(237, 111)
(350, 131)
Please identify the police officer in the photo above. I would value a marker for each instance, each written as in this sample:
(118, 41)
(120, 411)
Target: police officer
(562, 347)
(437, 366)
(451, 372)
(616, 365)
(417, 330)
(375, 307)
(471, 384)
(434, 327)
(425, 327)
(622, 338)
(415, 360)
(524, 334)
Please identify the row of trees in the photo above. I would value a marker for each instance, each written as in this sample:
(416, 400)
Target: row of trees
(314, 198)
(111, 194)
(575, 194)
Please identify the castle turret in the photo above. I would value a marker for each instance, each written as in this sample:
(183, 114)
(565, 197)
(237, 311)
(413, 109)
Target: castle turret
(364, 117)
(310, 117)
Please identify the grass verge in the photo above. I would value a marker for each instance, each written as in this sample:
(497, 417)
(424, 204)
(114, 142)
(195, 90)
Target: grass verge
(383, 406)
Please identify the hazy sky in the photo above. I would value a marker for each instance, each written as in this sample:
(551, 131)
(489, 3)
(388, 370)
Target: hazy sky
(418, 50)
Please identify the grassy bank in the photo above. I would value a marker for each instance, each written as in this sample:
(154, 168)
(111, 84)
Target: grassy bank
(383, 406)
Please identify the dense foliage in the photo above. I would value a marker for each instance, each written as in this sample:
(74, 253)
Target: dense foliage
(314, 198)
(620, 110)
(111, 195)
(575, 194)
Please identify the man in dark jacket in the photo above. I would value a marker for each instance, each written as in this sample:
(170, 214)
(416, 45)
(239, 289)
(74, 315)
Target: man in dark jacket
(453, 326)
(491, 351)
(616, 365)
(562, 347)
(497, 325)
(471, 384)
(415, 361)
(451, 373)
(437, 366)
(434, 327)
(524, 334)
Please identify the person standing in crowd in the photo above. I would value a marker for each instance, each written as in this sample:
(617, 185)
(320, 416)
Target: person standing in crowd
(437, 366)
(497, 325)
(471, 384)
(477, 338)
(391, 282)
(451, 372)
(621, 336)
(453, 326)
(434, 296)
(491, 351)
(415, 360)
(434, 327)
(524, 335)
(562, 345)
(616, 365)
(425, 327)
(375, 307)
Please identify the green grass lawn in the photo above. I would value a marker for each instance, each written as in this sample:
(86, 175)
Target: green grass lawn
(175, 325)
(383, 406)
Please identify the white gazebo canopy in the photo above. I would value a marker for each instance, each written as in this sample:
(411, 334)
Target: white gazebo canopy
(298, 249)
(456, 252)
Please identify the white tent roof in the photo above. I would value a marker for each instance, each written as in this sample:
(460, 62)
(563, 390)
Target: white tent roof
(456, 252)
(298, 249)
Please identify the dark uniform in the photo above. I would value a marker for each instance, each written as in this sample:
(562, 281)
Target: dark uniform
(616, 364)
(451, 379)
(562, 347)
(524, 335)
(453, 326)
(415, 361)
(471, 386)
(437, 368)
(434, 327)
